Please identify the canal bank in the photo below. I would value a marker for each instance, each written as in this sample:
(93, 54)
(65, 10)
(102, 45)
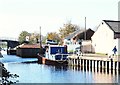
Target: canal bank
(95, 61)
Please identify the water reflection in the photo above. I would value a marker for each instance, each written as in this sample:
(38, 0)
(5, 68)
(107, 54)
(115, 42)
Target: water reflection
(99, 75)
(61, 68)
(15, 59)
(38, 73)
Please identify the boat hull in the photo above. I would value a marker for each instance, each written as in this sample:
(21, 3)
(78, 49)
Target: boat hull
(43, 60)
(39, 57)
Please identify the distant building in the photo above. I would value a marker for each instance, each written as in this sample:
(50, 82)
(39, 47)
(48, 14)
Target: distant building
(29, 50)
(51, 42)
(73, 40)
(106, 37)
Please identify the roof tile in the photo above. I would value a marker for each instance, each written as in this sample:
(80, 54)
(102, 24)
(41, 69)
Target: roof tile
(114, 25)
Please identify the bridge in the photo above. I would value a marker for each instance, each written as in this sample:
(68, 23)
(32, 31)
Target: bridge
(11, 42)
(8, 39)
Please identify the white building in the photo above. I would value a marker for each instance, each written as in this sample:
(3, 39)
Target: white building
(106, 37)
(73, 40)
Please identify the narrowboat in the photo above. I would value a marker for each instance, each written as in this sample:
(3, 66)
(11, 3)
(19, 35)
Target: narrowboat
(54, 55)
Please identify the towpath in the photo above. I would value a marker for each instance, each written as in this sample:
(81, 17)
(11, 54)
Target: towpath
(96, 57)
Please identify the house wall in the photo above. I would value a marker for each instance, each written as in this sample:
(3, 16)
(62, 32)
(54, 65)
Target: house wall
(118, 46)
(71, 48)
(67, 42)
(117, 43)
(103, 39)
(70, 45)
(86, 46)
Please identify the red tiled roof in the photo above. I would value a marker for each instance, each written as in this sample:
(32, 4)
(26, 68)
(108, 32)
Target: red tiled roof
(30, 46)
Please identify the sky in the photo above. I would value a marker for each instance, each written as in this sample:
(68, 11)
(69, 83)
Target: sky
(29, 15)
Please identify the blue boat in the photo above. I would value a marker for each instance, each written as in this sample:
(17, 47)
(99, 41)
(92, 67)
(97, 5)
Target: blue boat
(54, 55)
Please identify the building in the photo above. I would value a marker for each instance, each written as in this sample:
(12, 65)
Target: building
(29, 50)
(74, 39)
(106, 37)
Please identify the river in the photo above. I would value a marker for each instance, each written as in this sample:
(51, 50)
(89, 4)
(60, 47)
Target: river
(39, 73)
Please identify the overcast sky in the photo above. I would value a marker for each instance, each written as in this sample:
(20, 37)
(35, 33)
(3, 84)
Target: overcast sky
(29, 15)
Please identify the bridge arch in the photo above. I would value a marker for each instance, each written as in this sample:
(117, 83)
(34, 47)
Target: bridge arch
(10, 43)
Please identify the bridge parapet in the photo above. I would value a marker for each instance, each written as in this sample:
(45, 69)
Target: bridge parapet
(8, 38)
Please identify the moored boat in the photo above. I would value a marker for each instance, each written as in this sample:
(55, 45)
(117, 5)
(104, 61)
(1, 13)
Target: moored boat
(54, 55)
(1, 53)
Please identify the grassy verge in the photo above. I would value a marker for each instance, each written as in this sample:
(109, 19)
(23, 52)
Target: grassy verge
(102, 54)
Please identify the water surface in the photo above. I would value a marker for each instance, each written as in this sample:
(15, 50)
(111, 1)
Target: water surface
(39, 73)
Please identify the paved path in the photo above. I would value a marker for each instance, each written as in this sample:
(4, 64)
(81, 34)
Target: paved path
(96, 57)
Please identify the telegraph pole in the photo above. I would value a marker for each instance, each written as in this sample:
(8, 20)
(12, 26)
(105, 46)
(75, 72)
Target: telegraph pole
(40, 38)
(85, 30)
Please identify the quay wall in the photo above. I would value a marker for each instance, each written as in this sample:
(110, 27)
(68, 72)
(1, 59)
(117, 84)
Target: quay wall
(95, 62)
